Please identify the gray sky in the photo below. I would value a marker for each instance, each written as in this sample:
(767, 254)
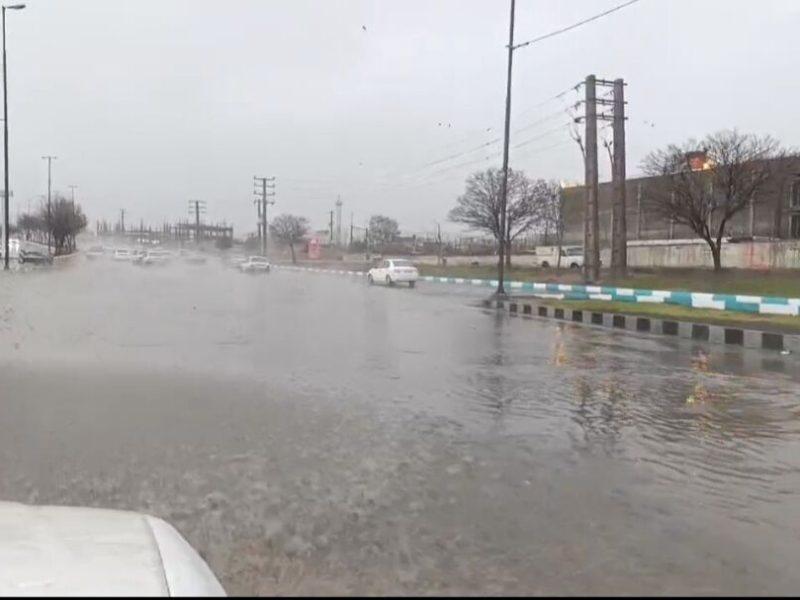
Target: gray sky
(150, 103)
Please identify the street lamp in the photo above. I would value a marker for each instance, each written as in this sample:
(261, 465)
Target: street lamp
(5, 137)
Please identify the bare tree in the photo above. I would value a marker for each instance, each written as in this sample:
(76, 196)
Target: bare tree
(703, 184)
(382, 230)
(289, 230)
(64, 221)
(479, 206)
(552, 202)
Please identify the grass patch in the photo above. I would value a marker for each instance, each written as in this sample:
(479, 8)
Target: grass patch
(784, 283)
(777, 323)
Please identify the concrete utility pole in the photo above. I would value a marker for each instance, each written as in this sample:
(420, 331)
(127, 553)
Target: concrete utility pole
(262, 185)
(122, 220)
(196, 207)
(619, 233)
(501, 292)
(591, 235)
(5, 138)
(49, 160)
(339, 220)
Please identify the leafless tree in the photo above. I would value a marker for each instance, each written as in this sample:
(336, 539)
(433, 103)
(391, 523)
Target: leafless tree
(289, 230)
(552, 202)
(382, 230)
(479, 206)
(704, 197)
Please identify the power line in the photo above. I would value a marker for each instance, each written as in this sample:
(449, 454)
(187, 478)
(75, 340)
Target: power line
(575, 25)
(542, 135)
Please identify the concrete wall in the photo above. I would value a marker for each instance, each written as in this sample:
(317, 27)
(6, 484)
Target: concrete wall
(686, 253)
(691, 253)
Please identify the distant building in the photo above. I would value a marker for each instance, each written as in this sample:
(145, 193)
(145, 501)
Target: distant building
(776, 216)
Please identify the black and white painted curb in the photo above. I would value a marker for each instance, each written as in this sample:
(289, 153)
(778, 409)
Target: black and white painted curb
(715, 334)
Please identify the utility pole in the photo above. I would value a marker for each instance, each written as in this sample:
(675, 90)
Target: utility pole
(5, 138)
(262, 185)
(122, 220)
(49, 160)
(350, 245)
(619, 233)
(501, 292)
(591, 234)
(331, 241)
(338, 220)
(196, 207)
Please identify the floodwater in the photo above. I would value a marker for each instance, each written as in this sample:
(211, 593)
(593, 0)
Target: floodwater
(310, 434)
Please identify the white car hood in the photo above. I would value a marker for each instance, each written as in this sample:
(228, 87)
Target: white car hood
(84, 551)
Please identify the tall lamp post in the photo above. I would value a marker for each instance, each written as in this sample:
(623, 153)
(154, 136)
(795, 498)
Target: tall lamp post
(5, 137)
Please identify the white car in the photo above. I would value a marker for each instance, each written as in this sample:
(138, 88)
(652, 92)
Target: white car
(570, 257)
(155, 257)
(255, 264)
(122, 254)
(60, 551)
(95, 252)
(394, 270)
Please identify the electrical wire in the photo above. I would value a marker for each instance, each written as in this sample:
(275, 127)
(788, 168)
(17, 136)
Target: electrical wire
(575, 25)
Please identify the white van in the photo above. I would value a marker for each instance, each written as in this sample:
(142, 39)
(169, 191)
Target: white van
(571, 257)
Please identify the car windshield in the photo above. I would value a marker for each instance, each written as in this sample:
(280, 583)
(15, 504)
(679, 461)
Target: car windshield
(343, 337)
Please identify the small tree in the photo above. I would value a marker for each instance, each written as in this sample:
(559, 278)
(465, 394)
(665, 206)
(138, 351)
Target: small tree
(30, 224)
(479, 205)
(382, 230)
(65, 220)
(704, 197)
(289, 230)
(552, 202)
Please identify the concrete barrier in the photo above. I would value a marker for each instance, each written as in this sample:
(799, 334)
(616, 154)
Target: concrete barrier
(701, 332)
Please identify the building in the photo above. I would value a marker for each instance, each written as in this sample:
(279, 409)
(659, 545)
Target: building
(776, 216)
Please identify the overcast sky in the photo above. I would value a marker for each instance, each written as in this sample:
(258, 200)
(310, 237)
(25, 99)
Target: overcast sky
(148, 104)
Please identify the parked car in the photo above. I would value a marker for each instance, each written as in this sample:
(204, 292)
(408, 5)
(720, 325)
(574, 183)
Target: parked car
(95, 252)
(194, 259)
(155, 257)
(255, 264)
(62, 551)
(35, 257)
(392, 271)
(571, 257)
(122, 254)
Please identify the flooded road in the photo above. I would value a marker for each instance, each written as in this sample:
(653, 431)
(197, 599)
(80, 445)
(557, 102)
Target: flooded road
(309, 434)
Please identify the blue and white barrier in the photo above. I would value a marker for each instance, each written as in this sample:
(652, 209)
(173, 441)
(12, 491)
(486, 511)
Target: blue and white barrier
(768, 305)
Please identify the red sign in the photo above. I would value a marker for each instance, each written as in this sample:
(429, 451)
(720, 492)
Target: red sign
(313, 249)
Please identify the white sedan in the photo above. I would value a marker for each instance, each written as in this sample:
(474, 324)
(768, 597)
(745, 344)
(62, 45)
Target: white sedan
(255, 264)
(59, 551)
(394, 270)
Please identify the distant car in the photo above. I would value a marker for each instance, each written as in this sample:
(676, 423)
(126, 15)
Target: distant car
(194, 259)
(392, 271)
(61, 551)
(121, 254)
(155, 257)
(570, 257)
(255, 264)
(35, 257)
(95, 252)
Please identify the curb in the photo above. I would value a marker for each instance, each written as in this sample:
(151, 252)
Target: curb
(703, 332)
(765, 305)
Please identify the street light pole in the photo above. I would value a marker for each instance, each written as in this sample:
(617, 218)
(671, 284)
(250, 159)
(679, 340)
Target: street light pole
(501, 292)
(49, 160)
(5, 137)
